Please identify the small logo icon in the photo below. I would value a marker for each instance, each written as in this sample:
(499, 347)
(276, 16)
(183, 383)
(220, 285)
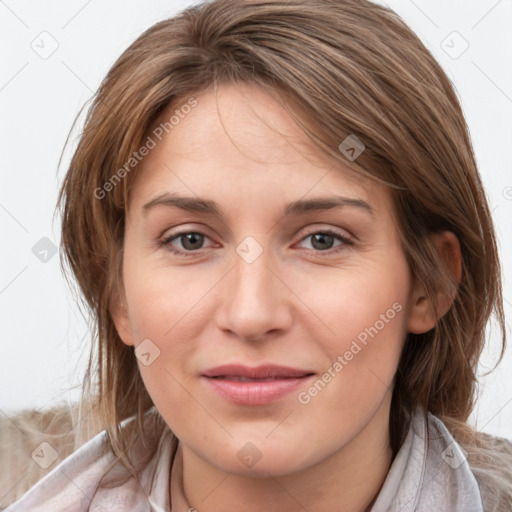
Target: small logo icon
(454, 45)
(45, 45)
(249, 455)
(44, 250)
(454, 455)
(44, 455)
(249, 249)
(147, 352)
(352, 147)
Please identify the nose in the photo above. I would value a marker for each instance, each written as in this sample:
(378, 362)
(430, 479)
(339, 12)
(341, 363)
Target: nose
(255, 300)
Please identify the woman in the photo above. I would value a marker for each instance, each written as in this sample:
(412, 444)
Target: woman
(275, 216)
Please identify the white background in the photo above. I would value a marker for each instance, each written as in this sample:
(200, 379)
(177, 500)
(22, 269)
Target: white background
(44, 339)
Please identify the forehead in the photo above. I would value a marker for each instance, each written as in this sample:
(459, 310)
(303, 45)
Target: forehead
(240, 141)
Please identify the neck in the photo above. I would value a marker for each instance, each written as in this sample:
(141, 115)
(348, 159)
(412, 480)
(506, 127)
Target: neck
(348, 480)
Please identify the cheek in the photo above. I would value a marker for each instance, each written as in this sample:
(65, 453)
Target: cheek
(364, 325)
(358, 303)
(370, 323)
(160, 311)
(163, 301)
(166, 307)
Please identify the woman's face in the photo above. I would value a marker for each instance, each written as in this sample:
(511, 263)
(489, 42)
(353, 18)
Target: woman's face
(265, 276)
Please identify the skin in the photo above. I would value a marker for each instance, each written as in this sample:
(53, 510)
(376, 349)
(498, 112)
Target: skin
(296, 305)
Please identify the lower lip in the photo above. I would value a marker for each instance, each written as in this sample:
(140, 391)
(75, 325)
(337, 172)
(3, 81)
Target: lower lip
(257, 392)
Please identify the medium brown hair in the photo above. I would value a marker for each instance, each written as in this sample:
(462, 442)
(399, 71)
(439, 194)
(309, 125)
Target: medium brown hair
(341, 67)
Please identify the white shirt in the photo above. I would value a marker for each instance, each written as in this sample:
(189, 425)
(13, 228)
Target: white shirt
(428, 474)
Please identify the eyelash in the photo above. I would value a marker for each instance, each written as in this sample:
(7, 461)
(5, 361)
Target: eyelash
(165, 243)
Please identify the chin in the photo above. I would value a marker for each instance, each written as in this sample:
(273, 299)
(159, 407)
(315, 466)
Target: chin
(261, 459)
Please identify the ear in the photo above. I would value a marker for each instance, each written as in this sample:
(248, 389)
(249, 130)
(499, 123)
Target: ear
(422, 317)
(119, 313)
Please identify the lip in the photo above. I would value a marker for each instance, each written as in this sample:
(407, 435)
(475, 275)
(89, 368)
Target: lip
(255, 386)
(259, 372)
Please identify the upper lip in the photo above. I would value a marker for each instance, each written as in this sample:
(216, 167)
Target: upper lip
(259, 372)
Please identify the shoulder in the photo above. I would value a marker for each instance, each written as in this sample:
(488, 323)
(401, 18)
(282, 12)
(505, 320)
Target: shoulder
(32, 443)
(93, 478)
(70, 482)
(490, 460)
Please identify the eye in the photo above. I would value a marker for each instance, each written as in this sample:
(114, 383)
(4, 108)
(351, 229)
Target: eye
(323, 240)
(190, 241)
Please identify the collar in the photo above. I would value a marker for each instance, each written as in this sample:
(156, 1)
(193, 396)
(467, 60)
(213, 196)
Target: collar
(430, 472)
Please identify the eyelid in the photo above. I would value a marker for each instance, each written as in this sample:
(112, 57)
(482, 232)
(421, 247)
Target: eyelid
(342, 233)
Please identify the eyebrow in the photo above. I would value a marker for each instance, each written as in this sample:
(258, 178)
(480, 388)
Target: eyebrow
(300, 207)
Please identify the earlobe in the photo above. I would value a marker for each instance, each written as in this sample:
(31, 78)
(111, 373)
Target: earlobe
(120, 317)
(422, 316)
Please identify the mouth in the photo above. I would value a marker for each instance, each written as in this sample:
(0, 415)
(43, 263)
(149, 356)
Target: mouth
(265, 384)
(239, 378)
(263, 372)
